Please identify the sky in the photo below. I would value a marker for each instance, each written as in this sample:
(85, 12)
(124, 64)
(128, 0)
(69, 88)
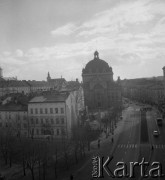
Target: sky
(60, 36)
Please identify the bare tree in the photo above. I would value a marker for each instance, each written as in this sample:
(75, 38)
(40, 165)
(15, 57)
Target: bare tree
(31, 158)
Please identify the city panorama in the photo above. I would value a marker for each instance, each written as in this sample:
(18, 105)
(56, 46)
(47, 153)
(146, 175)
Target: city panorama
(82, 89)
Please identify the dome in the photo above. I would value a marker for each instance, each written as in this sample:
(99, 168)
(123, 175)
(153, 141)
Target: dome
(97, 65)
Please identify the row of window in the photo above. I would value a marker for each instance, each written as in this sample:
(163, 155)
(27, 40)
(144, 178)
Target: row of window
(45, 132)
(18, 125)
(9, 116)
(47, 121)
(46, 110)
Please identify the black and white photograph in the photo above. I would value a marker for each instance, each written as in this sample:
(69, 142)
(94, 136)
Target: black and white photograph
(82, 89)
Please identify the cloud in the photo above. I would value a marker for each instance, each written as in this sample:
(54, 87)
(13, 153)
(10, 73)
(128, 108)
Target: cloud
(159, 29)
(6, 53)
(119, 17)
(19, 53)
(64, 30)
(128, 35)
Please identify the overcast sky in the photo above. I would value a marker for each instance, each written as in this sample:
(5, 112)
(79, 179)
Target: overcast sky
(60, 36)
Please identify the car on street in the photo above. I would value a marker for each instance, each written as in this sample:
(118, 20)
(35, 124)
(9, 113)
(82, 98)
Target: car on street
(159, 121)
(155, 133)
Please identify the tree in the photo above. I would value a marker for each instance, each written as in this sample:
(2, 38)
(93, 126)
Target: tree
(31, 157)
(7, 145)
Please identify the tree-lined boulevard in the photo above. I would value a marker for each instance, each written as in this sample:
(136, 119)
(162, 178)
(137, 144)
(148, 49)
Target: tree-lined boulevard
(133, 141)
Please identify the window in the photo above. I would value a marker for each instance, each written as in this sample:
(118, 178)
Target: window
(62, 120)
(46, 111)
(41, 121)
(19, 125)
(51, 110)
(56, 110)
(41, 112)
(0, 124)
(63, 131)
(37, 131)
(57, 120)
(32, 121)
(47, 121)
(52, 122)
(58, 132)
(9, 116)
(31, 111)
(25, 126)
(36, 111)
(52, 132)
(62, 110)
(36, 120)
(99, 104)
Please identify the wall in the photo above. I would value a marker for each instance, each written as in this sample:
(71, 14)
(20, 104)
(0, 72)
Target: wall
(45, 122)
(16, 121)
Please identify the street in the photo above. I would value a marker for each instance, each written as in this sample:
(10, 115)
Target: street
(132, 143)
(158, 143)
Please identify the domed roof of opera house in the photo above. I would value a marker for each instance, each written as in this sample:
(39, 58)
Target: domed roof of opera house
(97, 65)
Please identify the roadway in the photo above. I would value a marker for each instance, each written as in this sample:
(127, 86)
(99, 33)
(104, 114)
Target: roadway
(124, 149)
(158, 152)
(132, 143)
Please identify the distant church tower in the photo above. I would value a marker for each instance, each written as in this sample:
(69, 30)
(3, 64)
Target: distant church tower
(163, 72)
(1, 74)
(48, 77)
(164, 78)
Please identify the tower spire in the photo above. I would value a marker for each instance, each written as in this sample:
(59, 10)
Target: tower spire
(96, 55)
(48, 77)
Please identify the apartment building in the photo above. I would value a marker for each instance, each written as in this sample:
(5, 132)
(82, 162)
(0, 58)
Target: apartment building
(14, 119)
(52, 114)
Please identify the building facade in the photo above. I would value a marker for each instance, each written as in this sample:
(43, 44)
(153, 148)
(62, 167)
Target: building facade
(149, 91)
(52, 114)
(101, 92)
(27, 87)
(164, 78)
(14, 119)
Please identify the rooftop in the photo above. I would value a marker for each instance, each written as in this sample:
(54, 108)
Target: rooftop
(13, 107)
(50, 98)
(71, 86)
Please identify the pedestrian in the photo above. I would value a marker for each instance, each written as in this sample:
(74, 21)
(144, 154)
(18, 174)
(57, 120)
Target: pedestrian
(71, 177)
(98, 143)
(152, 147)
(112, 139)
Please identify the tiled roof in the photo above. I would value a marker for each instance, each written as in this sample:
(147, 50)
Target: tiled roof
(57, 83)
(58, 80)
(13, 107)
(38, 83)
(71, 86)
(57, 97)
(13, 83)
